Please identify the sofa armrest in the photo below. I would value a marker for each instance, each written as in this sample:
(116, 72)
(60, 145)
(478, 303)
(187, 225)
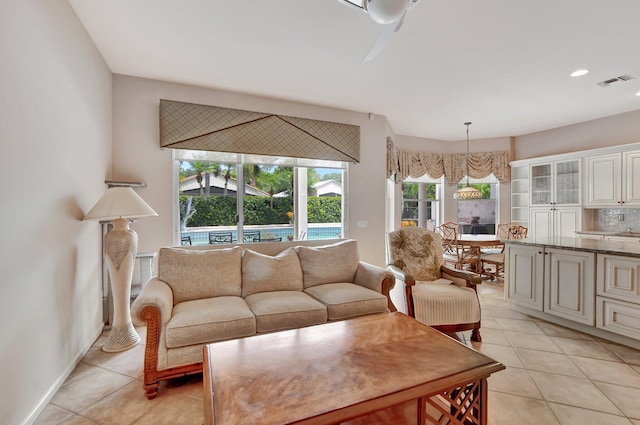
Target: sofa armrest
(157, 294)
(461, 277)
(377, 279)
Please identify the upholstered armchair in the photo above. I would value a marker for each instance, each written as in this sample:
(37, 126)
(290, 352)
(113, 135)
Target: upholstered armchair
(436, 295)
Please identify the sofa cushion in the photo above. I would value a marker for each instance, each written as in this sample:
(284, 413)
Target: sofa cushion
(345, 300)
(264, 273)
(281, 310)
(196, 274)
(208, 320)
(329, 263)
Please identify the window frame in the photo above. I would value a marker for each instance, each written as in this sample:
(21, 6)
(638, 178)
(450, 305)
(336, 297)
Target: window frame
(438, 200)
(242, 160)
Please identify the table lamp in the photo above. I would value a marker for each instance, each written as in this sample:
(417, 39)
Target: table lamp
(118, 205)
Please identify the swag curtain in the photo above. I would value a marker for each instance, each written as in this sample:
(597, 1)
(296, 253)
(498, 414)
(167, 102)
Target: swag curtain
(402, 164)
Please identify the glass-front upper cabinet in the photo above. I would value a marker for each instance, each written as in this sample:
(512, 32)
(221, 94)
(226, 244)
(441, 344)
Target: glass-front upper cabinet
(556, 183)
(541, 184)
(567, 182)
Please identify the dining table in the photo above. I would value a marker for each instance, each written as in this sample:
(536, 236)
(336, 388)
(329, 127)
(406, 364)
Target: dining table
(475, 243)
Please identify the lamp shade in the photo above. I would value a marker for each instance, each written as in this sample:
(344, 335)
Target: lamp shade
(467, 192)
(119, 202)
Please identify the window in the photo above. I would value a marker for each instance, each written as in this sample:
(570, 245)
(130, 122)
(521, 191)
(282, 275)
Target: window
(479, 216)
(226, 198)
(420, 202)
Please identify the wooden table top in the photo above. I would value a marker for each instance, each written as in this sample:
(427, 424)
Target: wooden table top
(335, 371)
(479, 240)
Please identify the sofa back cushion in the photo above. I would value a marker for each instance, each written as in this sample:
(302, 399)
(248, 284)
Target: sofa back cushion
(335, 263)
(264, 273)
(197, 274)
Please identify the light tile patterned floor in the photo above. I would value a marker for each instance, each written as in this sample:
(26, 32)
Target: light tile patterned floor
(554, 376)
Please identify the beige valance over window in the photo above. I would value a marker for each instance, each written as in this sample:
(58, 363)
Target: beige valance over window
(212, 128)
(403, 164)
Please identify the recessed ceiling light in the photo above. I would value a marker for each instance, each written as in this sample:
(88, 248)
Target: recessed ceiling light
(638, 94)
(579, 72)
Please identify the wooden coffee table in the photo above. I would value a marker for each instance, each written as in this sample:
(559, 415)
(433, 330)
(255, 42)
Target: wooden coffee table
(385, 368)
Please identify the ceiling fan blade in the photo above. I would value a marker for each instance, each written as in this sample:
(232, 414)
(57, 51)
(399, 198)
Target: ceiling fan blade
(353, 5)
(384, 37)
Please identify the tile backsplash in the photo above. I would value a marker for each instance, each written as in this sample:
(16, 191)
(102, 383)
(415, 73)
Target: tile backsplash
(609, 219)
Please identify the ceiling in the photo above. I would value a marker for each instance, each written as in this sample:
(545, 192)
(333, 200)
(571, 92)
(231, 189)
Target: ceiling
(502, 64)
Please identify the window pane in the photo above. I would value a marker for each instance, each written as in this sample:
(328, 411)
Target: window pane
(268, 203)
(324, 203)
(420, 204)
(478, 216)
(208, 199)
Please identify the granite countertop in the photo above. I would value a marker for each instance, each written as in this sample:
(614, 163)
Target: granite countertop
(631, 248)
(608, 233)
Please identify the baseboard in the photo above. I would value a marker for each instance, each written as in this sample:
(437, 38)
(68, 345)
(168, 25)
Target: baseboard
(51, 392)
(591, 330)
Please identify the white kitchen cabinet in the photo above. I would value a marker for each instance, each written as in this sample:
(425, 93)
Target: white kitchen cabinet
(560, 282)
(618, 289)
(613, 180)
(555, 183)
(524, 273)
(552, 221)
(570, 284)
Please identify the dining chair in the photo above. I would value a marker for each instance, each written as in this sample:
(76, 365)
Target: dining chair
(503, 231)
(436, 295)
(453, 252)
(497, 259)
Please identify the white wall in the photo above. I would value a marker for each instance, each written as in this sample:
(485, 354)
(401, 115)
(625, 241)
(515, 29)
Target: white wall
(55, 127)
(137, 156)
(609, 131)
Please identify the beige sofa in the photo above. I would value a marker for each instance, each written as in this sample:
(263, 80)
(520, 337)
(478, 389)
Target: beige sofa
(215, 293)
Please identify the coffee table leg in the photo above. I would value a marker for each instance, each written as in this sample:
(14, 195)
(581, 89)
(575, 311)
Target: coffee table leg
(464, 405)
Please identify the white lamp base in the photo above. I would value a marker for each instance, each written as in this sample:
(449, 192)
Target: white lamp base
(121, 339)
(121, 247)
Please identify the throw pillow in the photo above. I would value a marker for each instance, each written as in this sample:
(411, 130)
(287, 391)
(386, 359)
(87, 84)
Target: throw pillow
(195, 274)
(264, 273)
(335, 263)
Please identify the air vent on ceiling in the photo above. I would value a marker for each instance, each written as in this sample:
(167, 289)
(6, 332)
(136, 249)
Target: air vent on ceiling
(622, 78)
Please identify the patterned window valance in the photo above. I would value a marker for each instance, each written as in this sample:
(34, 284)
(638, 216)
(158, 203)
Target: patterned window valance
(212, 128)
(403, 164)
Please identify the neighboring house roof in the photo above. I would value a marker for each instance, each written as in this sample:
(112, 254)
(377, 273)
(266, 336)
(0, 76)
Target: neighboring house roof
(321, 188)
(328, 188)
(190, 186)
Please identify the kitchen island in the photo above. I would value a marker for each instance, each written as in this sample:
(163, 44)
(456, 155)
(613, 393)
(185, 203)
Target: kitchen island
(589, 285)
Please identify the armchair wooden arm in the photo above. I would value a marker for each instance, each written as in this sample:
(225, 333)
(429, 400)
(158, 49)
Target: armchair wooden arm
(471, 279)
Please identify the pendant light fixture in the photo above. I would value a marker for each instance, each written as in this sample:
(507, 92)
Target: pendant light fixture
(467, 192)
